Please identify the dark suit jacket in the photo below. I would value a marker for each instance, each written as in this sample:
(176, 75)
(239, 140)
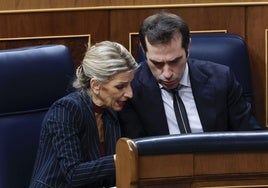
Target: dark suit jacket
(217, 94)
(69, 151)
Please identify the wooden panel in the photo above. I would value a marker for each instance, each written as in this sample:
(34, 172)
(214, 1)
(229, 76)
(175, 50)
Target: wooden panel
(230, 163)
(165, 183)
(166, 166)
(256, 25)
(124, 22)
(126, 163)
(231, 183)
(44, 27)
(113, 23)
(55, 23)
(46, 4)
(73, 42)
(189, 170)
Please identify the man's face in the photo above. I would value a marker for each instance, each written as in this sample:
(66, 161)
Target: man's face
(167, 61)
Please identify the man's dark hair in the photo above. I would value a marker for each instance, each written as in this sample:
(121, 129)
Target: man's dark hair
(160, 29)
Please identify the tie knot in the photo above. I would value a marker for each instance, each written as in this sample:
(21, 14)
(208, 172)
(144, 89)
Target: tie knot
(173, 91)
(176, 89)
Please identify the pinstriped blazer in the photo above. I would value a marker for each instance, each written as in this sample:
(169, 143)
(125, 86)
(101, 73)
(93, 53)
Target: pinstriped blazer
(69, 149)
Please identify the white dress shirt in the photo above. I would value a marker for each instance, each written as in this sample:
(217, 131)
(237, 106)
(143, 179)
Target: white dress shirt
(186, 95)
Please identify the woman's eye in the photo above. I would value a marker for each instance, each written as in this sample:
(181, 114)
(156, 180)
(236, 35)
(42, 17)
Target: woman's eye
(119, 87)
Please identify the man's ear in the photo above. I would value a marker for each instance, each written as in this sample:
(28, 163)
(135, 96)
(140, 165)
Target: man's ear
(95, 86)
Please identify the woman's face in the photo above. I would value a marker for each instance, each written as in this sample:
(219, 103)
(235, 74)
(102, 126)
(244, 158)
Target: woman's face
(114, 93)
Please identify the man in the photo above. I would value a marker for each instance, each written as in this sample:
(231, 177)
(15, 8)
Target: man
(210, 93)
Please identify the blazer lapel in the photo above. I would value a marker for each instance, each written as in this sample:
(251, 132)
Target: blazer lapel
(204, 95)
(111, 131)
(152, 101)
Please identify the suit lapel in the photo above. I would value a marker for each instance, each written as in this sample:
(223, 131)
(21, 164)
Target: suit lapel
(110, 127)
(204, 95)
(111, 131)
(151, 97)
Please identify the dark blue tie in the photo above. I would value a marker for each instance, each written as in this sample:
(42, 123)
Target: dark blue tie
(180, 113)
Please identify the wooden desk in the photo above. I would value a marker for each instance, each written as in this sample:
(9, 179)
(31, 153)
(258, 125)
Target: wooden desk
(189, 170)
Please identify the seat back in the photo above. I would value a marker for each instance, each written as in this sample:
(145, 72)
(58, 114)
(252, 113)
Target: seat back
(227, 49)
(31, 79)
(223, 48)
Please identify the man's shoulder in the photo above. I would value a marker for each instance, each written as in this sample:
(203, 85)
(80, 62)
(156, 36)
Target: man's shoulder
(143, 66)
(206, 65)
(143, 79)
(142, 72)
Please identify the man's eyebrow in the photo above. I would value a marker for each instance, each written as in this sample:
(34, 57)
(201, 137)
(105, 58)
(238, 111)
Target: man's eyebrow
(176, 59)
(170, 61)
(155, 61)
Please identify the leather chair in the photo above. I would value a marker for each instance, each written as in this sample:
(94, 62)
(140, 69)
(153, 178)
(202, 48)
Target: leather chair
(227, 49)
(31, 79)
(223, 48)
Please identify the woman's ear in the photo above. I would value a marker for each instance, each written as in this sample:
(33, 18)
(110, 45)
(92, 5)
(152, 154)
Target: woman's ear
(95, 86)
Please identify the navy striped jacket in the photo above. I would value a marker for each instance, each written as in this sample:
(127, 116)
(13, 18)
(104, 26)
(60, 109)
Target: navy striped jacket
(69, 149)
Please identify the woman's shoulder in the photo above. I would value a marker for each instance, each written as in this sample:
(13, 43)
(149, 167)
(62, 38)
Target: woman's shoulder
(75, 99)
(205, 64)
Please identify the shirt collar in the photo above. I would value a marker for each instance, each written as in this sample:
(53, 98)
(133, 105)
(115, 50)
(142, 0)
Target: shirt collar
(185, 80)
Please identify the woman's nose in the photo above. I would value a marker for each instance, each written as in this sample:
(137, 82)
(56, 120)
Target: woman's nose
(129, 92)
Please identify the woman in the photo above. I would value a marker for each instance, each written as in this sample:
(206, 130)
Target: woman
(80, 131)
